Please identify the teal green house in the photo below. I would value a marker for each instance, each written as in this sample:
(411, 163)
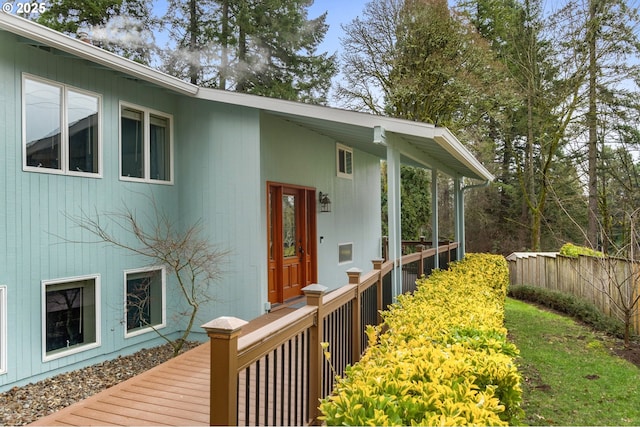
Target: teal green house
(291, 191)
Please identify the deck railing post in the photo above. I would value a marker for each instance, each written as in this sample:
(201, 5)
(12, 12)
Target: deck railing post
(223, 333)
(314, 294)
(377, 265)
(421, 248)
(356, 315)
(385, 248)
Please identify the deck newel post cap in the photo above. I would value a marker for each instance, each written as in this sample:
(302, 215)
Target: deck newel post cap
(314, 289)
(224, 325)
(377, 263)
(354, 275)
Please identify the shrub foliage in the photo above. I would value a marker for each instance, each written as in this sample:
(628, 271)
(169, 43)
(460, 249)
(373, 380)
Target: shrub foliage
(443, 359)
(569, 304)
(571, 250)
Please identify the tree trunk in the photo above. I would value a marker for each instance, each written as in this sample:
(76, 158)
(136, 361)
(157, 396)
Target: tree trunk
(224, 66)
(592, 124)
(193, 40)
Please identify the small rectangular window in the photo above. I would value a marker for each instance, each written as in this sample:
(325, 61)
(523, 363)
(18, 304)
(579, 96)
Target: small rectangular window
(159, 153)
(146, 148)
(82, 114)
(71, 316)
(145, 300)
(345, 253)
(132, 145)
(61, 128)
(344, 161)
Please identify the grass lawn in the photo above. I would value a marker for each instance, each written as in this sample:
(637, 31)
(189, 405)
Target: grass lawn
(569, 375)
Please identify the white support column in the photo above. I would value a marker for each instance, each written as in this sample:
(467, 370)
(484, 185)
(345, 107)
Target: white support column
(393, 208)
(458, 202)
(434, 214)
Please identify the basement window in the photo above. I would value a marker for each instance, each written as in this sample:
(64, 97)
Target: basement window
(145, 300)
(71, 316)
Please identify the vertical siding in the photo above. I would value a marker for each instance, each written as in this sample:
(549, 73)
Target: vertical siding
(294, 155)
(220, 187)
(35, 206)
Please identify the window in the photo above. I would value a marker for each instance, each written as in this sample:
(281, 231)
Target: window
(61, 129)
(3, 329)
(345, 253)
(144, 299)
(71, 316)
(145, 145)
(344, 161)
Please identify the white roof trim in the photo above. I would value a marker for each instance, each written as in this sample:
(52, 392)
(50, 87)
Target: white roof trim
(442, 136)
(47, 36)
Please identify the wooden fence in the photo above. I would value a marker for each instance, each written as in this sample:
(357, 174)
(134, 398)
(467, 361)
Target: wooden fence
(608, 283)
(277, 374)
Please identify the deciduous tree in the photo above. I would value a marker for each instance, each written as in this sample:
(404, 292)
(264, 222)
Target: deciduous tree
(193, 261)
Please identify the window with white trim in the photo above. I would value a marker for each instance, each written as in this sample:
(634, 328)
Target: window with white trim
(144, 300)
(71, 315)
(3, 330)
(146, 145)
(344, 161)
(61, 128)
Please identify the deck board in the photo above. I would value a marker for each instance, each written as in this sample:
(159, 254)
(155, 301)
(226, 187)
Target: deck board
(173, 393)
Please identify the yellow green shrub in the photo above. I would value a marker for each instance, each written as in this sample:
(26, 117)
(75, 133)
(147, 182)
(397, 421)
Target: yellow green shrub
(443, 359)
(571, 250)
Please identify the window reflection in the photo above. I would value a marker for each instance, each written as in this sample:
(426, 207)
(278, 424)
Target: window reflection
(82, 116)
(289, 225)
(43, 124)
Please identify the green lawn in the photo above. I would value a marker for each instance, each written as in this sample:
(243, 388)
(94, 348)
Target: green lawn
(569, 374)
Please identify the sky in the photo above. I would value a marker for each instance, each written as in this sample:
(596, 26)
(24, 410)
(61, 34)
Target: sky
(339, 12)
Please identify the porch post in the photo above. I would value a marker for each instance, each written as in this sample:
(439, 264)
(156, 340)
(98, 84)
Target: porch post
(393, 208)
(434, 215)
(223, 406)
(458, 201)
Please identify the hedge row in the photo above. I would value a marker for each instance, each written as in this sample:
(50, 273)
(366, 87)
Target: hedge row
(443, 359)
(572, 305)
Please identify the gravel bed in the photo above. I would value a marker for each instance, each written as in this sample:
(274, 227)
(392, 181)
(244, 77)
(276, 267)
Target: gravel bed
(24, 405)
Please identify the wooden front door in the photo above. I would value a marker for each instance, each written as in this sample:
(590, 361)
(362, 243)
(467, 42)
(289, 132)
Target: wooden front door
(291, 238)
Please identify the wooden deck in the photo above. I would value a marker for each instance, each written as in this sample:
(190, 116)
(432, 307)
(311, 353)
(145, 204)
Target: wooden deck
(174, 393)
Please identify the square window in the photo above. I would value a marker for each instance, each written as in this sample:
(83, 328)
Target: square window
(71, 316)
(61, 128)
(146, 148)
(344, 161)
(144, 299)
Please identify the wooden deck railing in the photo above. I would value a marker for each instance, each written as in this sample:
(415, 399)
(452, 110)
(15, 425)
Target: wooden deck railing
(277, 374)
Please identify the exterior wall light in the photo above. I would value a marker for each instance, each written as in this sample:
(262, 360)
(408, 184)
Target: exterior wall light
(325, 202)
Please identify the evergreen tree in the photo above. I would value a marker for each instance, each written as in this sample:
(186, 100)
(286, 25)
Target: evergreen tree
(263, 47)
(124, 27)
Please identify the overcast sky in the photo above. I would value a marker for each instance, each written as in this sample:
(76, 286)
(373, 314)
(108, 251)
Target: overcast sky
(338, 12)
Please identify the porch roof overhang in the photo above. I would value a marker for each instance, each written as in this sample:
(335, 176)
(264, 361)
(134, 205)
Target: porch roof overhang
(419, 144)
